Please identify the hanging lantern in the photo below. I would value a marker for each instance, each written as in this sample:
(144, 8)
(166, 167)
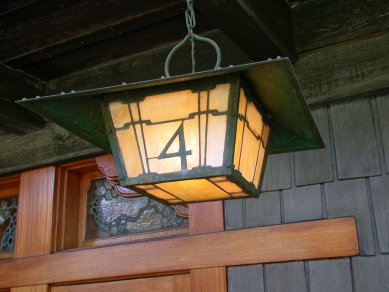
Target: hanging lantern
(195, 141)
(197, 137)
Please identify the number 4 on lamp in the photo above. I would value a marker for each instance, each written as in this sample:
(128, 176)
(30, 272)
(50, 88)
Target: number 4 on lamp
(182, 152)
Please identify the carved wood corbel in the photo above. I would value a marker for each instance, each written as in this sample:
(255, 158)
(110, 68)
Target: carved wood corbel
(107, 166)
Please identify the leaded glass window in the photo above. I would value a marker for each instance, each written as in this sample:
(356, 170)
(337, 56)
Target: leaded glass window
(110, 214)
(8, 209)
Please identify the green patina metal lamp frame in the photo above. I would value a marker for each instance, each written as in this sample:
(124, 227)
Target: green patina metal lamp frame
(271, 83)
(201, 171)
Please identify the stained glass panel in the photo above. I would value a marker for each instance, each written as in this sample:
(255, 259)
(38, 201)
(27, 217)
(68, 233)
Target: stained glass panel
(8, 210)
(111, 214)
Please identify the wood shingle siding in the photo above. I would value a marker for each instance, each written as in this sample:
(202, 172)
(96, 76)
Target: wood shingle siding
(277, 174)
(307, 198)
(246, 278)
(356, 184)
(263, 211)
(355, 138)
(379, 192)
(383, 110)
(349, 198)
(312, 167)
(330, 275)
(286, 277)
(371, 273)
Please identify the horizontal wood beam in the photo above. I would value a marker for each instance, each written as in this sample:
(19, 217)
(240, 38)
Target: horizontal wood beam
(262, 29)
(299, 241)
(49, 146)
(320, 23)
(17, 120)
(14, 85)
(358, 67)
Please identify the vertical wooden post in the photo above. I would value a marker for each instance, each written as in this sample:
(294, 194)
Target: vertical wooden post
(35, 217)
(207, 218)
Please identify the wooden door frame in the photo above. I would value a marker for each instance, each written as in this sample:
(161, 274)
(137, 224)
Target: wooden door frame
(205, 253)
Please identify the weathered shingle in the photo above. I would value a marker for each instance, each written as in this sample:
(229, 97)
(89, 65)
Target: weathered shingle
(371, 274)
(383, 113)
(285, 277)
(277, 174)
(263, 211)
(302, 203)
(315, 166)
(380, 194)
(330, 275)
(245, 279)
(349, 198)
(358, 155)
(355, 140)
(233, 214)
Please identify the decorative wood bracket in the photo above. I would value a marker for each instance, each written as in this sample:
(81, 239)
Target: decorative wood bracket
(107, 166)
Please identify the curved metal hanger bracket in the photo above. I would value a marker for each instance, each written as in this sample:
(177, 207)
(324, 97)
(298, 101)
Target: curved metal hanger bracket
(186, 39)
(191, 37)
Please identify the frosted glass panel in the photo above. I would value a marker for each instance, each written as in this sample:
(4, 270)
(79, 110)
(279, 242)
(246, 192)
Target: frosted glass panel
(128, 143)
(216, 137)
(193, 190)
(172, 132)
(251, 141)
(169, 106)
(248, 158)
(120, 114)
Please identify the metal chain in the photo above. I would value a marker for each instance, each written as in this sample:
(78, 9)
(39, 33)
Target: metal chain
(191, 24)
(191, 37)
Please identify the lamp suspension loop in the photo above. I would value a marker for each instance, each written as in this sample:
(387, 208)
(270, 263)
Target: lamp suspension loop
(191, 37)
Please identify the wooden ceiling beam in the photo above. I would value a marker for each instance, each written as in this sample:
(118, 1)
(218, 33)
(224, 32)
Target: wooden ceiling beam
(262, 29)
(68, 26)
(17, 120)
(320, 23)
(14, 85)
(149, 65)
(126, 44)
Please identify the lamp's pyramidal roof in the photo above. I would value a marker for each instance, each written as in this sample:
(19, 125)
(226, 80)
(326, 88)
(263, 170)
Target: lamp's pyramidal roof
(273, 81)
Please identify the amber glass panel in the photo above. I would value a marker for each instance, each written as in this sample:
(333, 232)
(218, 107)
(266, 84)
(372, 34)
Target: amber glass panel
(251, 141)
(216, 188)
(128, 141)
(194, 190)
(8, 210)
(110, 214)
(172, 132)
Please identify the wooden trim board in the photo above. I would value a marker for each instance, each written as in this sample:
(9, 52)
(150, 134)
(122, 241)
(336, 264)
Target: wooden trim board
(298, 241)
(206, 218)
(175, 283)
